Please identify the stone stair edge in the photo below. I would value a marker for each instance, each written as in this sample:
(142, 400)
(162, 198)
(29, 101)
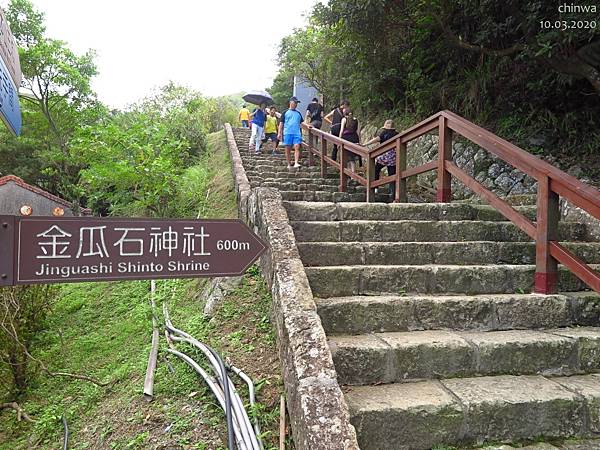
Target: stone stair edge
(472, 411)
(393, 357)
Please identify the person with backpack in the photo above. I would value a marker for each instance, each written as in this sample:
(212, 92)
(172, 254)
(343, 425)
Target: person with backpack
(335, 119)
(350, 131)
(290, 132)
(388, 159)
(258, 122)
(314, 114)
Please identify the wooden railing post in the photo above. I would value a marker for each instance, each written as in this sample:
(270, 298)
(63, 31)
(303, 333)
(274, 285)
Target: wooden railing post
(444, 179)
(370, 176)
(311, 140)
(546, 267)
(323, 154)
(343, 162)
(400, 194)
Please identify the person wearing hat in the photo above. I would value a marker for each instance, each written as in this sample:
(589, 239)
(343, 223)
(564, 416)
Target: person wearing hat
(388, 159)
(290, 132)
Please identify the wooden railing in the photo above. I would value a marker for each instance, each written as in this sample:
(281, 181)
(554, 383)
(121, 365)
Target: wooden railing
(552, 183)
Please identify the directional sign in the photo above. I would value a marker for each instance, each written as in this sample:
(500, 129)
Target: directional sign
(8, 51)
(72, 249)
(10, 78)
(10, 111)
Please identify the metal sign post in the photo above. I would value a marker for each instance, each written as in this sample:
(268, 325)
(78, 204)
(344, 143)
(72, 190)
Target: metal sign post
(74, 249)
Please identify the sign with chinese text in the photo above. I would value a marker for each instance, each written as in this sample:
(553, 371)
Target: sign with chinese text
(10, 78)
(9, 52)
(70, 249)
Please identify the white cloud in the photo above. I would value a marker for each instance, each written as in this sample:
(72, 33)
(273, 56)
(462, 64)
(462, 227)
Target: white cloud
(217, 47)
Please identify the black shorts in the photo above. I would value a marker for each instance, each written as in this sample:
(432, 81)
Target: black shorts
(316, 124)
(271, 136)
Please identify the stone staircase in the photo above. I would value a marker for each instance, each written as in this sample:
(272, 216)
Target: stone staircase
(304, 184)
(435, 335)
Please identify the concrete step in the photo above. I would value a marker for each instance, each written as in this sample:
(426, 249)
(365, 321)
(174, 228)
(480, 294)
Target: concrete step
(368, 314)
(304, 211)
(400, 356)
(459, 253)
(467, 411)
(339, 281)
(420, 231)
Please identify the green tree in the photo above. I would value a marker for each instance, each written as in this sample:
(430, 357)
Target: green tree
(58, 100)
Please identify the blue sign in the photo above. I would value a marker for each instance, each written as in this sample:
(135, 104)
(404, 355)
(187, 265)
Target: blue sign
(10, 111)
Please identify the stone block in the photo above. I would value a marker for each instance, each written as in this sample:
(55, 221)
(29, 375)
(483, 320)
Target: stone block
(429, 354)
(454, 312)
(364, 314)
(587, 386)
(588, 339)
(531, 311)
(408, 416)
(520, 352)
(507, 408)
(362, 359)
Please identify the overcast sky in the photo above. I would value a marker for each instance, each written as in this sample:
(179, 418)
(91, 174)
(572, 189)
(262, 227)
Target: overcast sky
(216, 46)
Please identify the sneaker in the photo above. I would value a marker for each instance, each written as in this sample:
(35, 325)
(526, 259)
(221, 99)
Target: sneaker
(377, 190)
(289, 167)
(297, 166)
(274, 153)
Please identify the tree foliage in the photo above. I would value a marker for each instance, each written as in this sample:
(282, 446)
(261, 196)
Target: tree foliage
(58, 101)
(485, 60)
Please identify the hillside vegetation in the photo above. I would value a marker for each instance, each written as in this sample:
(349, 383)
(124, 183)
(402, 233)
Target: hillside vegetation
(103, 331)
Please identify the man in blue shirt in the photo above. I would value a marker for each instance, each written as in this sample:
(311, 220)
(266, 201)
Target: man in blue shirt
(258, 124)
(289, 130)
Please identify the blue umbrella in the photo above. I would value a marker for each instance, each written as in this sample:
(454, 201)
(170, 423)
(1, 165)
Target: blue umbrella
(258, 97)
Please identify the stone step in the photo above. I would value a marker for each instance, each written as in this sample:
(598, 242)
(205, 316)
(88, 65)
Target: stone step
(368, 314)
(288, 186)
(467, 411)
(292, 174)
(459, 253)
(340, 281)
(274, 163)
(400, 356)
(276, 168)
(307, 180)
(321, 196)
(420, 231)
(304, 211)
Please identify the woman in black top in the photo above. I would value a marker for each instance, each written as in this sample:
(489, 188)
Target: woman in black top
(350, 131)
(314, 114)
(335, 119)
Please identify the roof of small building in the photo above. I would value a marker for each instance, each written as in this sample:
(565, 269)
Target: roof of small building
(18, 181)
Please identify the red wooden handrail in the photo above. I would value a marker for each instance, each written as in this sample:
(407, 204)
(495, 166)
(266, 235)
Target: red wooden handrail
(552, 183)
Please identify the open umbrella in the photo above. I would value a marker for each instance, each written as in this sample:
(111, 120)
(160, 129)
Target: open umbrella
(258, 97)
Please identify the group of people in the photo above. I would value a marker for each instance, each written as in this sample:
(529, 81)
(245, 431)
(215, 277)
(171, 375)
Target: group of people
(269, 125)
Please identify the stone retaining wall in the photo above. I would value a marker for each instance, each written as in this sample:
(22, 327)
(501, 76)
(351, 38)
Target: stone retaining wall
(498, 176)
(319, 415)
